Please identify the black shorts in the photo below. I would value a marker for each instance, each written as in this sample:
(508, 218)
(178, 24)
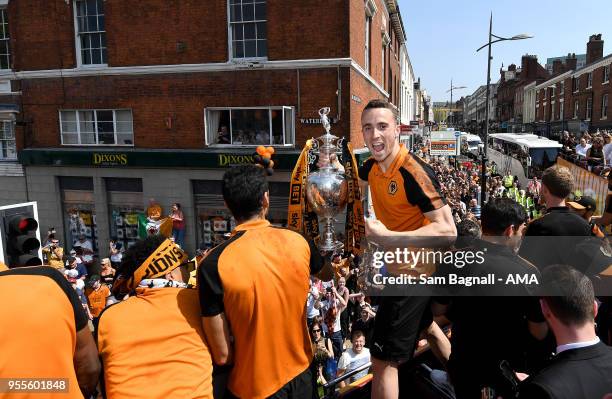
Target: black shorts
(399, 322)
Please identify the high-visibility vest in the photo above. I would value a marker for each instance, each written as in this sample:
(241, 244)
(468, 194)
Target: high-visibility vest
(520, 199)
(513, 193)
(508, 180)
(536, 214)
(529, 203)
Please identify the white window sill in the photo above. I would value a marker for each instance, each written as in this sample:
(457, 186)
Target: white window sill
(603, 118)
(606, 82)
(92, 66)
(248, 60)
(100, 145)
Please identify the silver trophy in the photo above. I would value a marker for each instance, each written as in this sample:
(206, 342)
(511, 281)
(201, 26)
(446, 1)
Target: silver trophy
(327, 188)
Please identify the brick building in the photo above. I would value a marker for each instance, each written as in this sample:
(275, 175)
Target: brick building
(577, 99)
(109, 103)
(509, 108)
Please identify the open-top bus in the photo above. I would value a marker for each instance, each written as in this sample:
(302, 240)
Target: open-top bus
(522, 155)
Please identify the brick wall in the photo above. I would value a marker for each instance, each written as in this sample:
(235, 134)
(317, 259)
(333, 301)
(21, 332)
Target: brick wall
(182, 97)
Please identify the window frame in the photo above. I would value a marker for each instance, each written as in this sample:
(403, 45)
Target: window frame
(589, 109)
(604, 106)
(95, 122)
(589, 80)
(7, 38)
(230, 35)
(368, 43)
(606, 74)
(576, 108)
(8, 120)
(281, 108)
(77, 38)
(576, 84)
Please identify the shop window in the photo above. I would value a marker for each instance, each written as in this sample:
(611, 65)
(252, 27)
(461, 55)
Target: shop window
(215, 222)
(250, 126)
(125, 204)
(78, 211)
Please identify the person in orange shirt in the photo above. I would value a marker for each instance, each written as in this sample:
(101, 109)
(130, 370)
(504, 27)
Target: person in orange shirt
(411, 213)
(253, 287)
(152, 344)
(44, 333)
(96, 294)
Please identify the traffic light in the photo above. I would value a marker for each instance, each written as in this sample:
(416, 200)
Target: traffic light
(23, 246)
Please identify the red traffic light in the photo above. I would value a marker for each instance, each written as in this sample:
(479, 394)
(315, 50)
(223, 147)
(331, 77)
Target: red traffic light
(22, 224)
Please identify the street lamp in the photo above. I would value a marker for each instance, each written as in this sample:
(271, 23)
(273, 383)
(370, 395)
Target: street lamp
(451, 92)
(483, 185)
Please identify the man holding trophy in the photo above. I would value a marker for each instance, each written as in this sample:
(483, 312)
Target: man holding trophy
(411, 213)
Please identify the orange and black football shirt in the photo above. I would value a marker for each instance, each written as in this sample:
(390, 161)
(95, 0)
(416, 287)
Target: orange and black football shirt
(152, 346)
(404, 192)
(260, 279)
(40, 315)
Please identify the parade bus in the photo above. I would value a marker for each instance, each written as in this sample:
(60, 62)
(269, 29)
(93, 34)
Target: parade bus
(524, 155)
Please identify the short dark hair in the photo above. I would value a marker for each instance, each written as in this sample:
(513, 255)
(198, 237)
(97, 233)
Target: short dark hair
(244, 187)
(356, 334)
(499, 213)
(467, 231)
(558, 180)
(376, 103)
(138, 253)
(570, 294)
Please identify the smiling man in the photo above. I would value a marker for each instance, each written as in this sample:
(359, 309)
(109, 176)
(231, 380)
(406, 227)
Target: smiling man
(411, 212)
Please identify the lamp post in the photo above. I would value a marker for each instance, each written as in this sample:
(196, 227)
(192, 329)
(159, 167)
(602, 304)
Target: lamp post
(483, 179)
(451, 103)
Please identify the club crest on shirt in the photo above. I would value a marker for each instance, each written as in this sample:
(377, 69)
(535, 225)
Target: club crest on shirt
(392, 187)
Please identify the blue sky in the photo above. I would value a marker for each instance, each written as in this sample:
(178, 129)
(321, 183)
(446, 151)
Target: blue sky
(442, 36)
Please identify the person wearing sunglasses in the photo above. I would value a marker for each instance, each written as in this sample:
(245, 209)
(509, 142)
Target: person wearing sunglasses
(323, 351)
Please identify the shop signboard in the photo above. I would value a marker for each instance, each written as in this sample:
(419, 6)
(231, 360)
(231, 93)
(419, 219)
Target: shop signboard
(444, 143)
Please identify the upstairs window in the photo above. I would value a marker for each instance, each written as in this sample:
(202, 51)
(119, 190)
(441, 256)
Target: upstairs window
(576, 109)
(604, 106)
(5, 48)
(589, 80)
(248, 29)
(575, 84)
(606, 74)
(91, 33)
(589, 109)
(250, 126)
(97, 127)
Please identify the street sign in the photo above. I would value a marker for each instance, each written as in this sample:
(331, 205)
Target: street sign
(457, 134)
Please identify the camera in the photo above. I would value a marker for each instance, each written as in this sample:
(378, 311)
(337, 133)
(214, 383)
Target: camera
(51, 230)
(329, 289)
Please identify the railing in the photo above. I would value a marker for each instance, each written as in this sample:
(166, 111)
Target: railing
(329, 389)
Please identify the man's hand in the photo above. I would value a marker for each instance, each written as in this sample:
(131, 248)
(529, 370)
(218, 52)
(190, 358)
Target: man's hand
(376, 231)
(325, 160)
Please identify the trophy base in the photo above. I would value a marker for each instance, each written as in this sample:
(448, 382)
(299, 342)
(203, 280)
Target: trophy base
(331, 246)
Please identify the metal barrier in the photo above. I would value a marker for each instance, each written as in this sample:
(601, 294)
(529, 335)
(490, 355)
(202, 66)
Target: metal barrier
(329, 389)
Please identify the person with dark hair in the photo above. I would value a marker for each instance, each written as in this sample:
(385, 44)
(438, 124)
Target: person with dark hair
(253, 287)
(510, 310)
(152, 344)
(45, 332)
(411, 212)
(551, 238)
(582, 367)
(354, 357)
(178, 224)
(467, 232)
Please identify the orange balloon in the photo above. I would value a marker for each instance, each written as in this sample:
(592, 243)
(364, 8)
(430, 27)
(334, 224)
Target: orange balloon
(261, 150)
(270, 150)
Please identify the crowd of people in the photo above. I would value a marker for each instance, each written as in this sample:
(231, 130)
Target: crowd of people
(592, 151)
(269, 315)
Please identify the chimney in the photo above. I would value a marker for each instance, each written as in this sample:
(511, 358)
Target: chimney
(529, 66)
(571, 62)
(512, 67)
(557, 67)
(594, 49)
